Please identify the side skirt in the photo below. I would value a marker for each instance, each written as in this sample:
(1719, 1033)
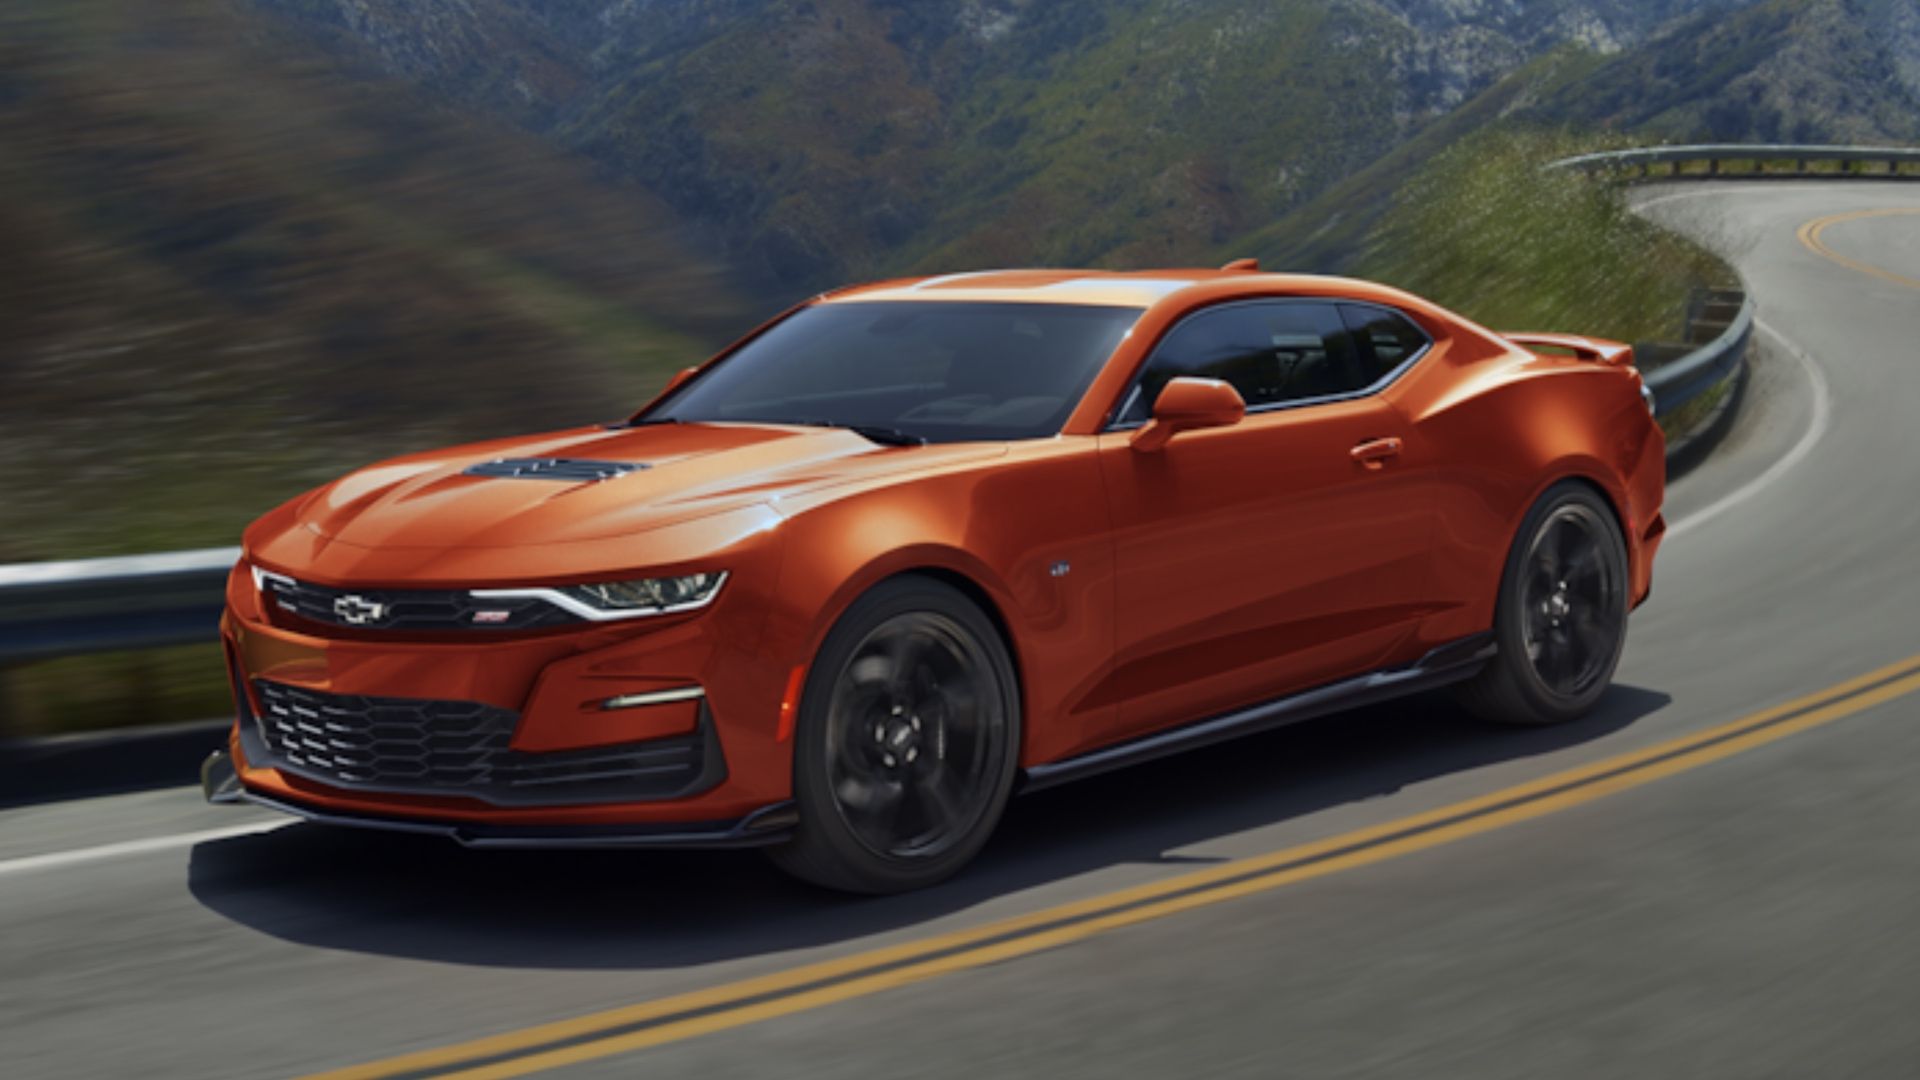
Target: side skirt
(1449, 663)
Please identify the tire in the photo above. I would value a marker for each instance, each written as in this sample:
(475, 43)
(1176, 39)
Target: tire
(906, 744)
(1561, 619)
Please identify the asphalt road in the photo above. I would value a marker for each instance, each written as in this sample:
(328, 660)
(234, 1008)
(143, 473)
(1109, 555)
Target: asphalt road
(1750, 915)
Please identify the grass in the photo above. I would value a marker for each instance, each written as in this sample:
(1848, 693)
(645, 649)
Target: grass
(114, 690)
(1484, 230)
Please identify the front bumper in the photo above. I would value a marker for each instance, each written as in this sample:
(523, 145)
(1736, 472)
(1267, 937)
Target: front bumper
(657, 732)
(220, 783)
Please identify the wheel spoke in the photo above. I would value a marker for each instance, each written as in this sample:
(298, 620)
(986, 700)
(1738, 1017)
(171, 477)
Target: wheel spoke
(1570, 541)
(942, 805)
(1584, 567)
(870, 672)
(1553, 658)
(1594, 638)
(869, 797)
(907, 653)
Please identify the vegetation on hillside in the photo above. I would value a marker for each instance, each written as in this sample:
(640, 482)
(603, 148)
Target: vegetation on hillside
(1485, 230)
(821, 141)
(232, 271)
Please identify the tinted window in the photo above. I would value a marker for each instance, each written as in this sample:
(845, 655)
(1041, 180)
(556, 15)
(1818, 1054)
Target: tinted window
(939, 370)
(1385, 340)
(1271, 352)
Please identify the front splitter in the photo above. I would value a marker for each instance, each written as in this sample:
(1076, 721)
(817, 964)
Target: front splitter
(774, 824)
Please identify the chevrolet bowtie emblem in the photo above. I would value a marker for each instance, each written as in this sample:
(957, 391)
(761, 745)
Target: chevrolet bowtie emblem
(357, 610)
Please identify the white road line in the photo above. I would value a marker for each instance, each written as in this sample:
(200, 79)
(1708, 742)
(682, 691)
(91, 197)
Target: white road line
(1822, 409)
(54, 859)
(1815, 379)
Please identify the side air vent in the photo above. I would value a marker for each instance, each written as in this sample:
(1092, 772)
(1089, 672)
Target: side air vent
(572, 470)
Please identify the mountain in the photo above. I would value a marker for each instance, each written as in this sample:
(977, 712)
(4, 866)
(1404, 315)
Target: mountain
(819, 140)
(1844, 71)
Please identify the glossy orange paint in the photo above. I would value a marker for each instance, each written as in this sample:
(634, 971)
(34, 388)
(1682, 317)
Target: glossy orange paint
(1238, 560)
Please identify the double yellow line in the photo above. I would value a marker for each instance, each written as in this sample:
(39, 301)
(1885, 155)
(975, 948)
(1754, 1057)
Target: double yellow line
(652, 1023)
(1810, 235)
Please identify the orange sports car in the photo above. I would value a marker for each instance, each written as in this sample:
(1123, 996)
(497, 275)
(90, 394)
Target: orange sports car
(913, 547)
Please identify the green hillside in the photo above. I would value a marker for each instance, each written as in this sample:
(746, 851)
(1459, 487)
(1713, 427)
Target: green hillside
(1482, 229)
(233, 271)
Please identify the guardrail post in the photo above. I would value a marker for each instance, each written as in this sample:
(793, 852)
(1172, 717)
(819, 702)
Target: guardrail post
(1713, 166)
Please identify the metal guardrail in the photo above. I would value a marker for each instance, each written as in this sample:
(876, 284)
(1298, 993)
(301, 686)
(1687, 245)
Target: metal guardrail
(143, 601)
(1684, 378)
(1757, 156)
(99, 605)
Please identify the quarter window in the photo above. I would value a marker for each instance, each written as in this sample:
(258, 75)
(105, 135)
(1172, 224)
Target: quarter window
(1271, 352)
(1384, 339)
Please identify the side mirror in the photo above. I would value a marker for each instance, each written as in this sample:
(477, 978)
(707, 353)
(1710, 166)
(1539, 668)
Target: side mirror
(1187, 404)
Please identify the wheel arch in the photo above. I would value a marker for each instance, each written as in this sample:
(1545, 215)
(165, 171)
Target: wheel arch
(948, 566)
(1582, 477)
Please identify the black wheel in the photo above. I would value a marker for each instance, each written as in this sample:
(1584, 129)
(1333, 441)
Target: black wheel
(907, 741)
(1561, 619)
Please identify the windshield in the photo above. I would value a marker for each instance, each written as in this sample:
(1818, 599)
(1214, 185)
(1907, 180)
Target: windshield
(938, 370)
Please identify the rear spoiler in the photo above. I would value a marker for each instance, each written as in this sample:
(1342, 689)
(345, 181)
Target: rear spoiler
(1597, 350)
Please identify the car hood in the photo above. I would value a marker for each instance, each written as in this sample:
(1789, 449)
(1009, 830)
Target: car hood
(682, 471)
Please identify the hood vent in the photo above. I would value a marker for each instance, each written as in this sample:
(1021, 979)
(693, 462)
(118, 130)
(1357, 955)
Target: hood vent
(571, 470)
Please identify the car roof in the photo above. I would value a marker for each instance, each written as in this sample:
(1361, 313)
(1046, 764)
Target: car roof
(1137, 288)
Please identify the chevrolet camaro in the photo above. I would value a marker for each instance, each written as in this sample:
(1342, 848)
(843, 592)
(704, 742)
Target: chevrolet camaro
(914, 547)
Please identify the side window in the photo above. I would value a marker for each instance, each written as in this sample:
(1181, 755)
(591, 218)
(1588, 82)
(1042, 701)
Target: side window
(1271, 352)
(1384, 339)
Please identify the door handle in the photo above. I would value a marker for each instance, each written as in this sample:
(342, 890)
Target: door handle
(1374, 452)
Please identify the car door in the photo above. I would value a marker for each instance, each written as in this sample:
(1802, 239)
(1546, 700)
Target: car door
(1282, 552)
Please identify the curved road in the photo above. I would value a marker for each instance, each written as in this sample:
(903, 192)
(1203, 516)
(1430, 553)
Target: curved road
(1741, 906)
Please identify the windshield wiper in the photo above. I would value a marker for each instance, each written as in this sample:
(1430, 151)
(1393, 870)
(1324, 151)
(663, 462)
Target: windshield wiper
(622, 425)
(886, 436)
(879, 433)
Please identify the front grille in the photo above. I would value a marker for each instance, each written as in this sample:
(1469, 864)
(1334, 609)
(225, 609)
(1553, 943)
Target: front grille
(417, 610)
(427, 747)
(576, 470)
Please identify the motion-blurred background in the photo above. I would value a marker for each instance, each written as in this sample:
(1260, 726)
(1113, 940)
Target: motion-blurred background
(246, 245)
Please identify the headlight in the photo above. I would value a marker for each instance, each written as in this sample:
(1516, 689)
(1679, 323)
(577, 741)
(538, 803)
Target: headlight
(605, 600)
(648, 593)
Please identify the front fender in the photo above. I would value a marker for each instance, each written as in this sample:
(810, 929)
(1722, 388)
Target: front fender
(1028, 533)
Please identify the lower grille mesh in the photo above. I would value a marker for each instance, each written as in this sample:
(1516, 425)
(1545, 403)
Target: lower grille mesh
(423, 746)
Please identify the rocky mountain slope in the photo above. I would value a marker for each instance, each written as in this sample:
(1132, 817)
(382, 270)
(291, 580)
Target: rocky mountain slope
(816, 140)
(1781, 71)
